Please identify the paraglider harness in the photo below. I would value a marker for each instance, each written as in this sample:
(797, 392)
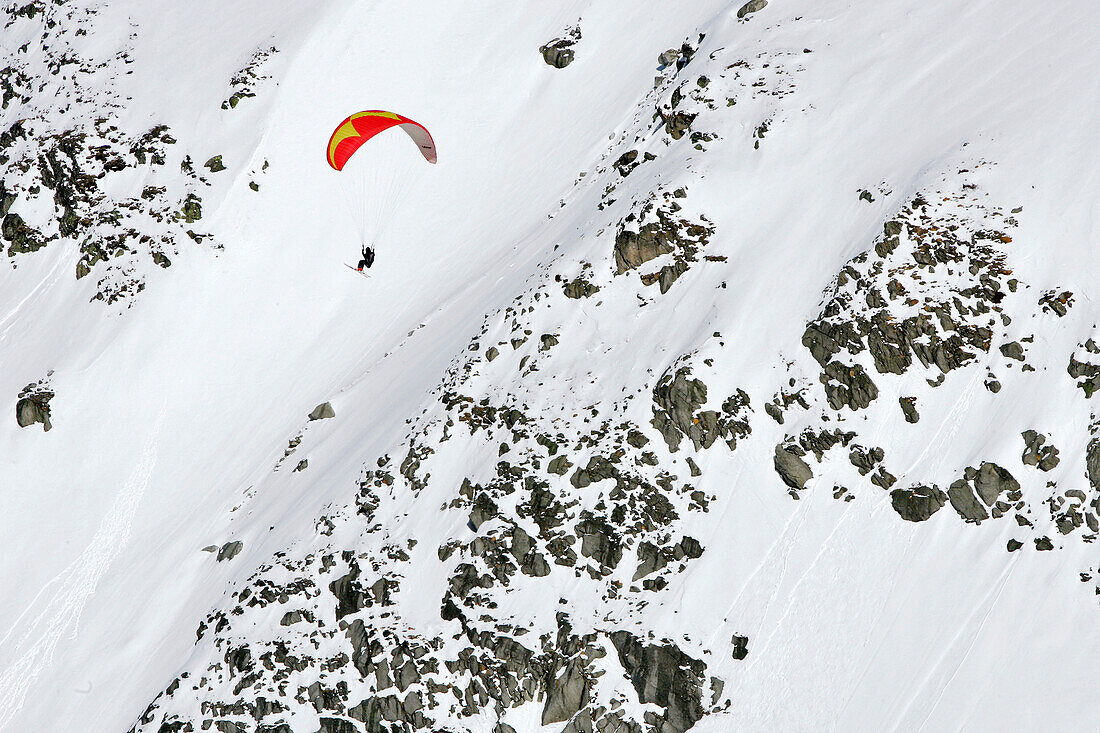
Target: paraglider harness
(368, 258)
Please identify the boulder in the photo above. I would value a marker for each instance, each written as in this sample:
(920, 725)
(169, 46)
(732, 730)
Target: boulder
(558, 53)
(336, 725)
(740, 647)
(848, 386)
(322, 411)
(917, 503)
(230, 550)
(580, 288)
(992, 480)
(1092, 463)
(633, 249)
(794, 471)
(33, 409)
(600, 542)
(965, 503)
(650, 560)
(566, 695)
(23, 238)
(668, 58)
(559, 465)
(1013, 350)
(751, 6)
(909, 409)
(1043, 457)
(663, 675)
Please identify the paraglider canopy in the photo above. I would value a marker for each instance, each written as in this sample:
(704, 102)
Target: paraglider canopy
(360, 127)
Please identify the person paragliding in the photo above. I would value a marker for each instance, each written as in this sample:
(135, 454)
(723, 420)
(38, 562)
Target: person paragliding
(377, 183)
(368, 258)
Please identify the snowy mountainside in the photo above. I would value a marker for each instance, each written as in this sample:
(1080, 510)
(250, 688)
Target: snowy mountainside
(733, 369)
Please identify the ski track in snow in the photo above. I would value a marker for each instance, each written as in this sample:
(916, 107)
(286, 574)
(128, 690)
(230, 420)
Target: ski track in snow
(986, 607)
(58, 617)
(52, 277)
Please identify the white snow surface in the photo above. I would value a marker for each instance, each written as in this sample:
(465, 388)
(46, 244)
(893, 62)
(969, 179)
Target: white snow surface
(172, 409)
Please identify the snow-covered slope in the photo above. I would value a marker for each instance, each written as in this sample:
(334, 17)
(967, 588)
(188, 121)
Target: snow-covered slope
(715, 380)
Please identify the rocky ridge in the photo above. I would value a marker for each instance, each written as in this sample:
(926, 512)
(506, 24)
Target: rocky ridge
(574, 510)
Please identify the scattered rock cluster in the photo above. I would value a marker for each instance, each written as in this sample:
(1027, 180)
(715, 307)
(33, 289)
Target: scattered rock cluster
(33, 405)
(74, 166)
(559, 52)
(245, 81)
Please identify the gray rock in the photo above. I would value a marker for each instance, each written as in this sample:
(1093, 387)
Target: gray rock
(751, 6)
(1043, 457)
(633, 249)
(337, 725)
(1092, 463)
(650, 558)
(626, 162)
(992, 480)
(535, 565)
(883, 478)
(965, 503)
(406, 675)
(349, 594)
(689, 547)
(215, 164)
(491, 353)
(865, 460)
(848, 386)
(566, 694)
(677, 399)
(23, 238)
(917, 503)
(558, 53)
(6, 200)
(600, 541)
(666, 676)
(678, 396)
(740, 647)
(1013, 350)
(693, 467)
(228, 726)
(322, 411)
(669, 57)
(559, 465)
(230, 550)
(34, 409)
(1014, 545)
(677, 124)
(1043, 544)
(794, 471)
(191, 209)
(412, 703)
(909, 408)
(580, 288)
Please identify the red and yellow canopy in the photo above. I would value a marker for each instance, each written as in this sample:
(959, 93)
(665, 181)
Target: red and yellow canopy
(362, 126)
